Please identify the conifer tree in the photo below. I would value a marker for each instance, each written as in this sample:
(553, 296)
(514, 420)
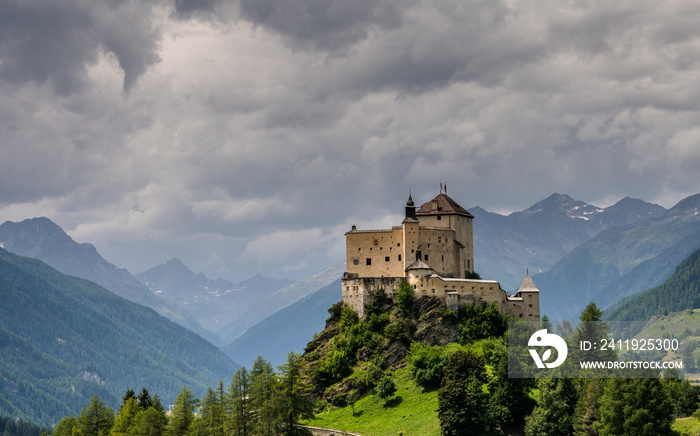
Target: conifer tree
(150, 422)
(144, 399)
(635, 406)
(182, 415)
(239, 398)
(587, 414)
(294, 405)
(95, 420)
(125, 418)
(554, 413)
(262, 387)
(212, 414)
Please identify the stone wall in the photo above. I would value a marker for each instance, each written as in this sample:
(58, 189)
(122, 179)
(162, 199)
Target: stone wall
(316, 431)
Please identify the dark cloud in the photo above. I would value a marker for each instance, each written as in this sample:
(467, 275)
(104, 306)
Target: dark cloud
(324, 24)
(188, 6)
(269, 127)
(55, 42)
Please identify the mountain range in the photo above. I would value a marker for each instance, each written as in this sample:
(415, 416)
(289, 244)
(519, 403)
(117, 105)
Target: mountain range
(620, 261)
(213, 303)
(64, 339)
(539, 236)
(577, 253)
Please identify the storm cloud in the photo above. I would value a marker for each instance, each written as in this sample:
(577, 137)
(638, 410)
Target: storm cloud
(214, 130)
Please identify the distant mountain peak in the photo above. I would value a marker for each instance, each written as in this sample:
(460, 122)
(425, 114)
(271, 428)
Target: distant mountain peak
(175, 262)
(688, 207)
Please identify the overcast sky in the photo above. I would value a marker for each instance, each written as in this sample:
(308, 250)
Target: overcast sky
(248, 136)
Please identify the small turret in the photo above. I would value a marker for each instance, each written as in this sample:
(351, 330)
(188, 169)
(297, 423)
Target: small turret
(410, 208)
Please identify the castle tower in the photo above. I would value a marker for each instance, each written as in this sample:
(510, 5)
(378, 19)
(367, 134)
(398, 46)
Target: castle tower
(442, 212)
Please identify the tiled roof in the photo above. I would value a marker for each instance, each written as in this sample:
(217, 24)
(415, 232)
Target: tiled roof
(445, 205)
(528, 285)
(419, 264)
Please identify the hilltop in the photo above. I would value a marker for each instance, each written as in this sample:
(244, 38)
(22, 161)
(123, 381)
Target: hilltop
(407, 343)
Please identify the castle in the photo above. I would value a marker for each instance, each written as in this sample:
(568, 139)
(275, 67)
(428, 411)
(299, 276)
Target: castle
(433, 249)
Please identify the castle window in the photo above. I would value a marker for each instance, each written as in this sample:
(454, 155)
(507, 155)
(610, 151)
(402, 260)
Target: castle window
(386, 259)
(399, 257)
(368, 261)
(426, 257)
(439, 217)
(398, 244)
(530, 305)
(443, 258)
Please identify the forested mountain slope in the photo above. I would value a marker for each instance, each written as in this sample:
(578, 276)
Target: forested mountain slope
(679, 292)
(64, 339)
(43, 239)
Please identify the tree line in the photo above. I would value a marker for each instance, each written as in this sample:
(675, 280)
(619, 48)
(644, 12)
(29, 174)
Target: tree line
(259, 402)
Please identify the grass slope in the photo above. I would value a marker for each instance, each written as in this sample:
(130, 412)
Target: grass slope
(412, 411)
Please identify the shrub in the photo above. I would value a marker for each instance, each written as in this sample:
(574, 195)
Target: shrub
(404, 297)
(401, 329)
(386, 387)
(426, 363)
(481, 320)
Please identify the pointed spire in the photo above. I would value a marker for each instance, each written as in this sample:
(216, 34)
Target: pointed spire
(410, 207)
(528, 285)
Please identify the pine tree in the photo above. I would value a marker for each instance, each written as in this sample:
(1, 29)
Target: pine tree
(295, 405)
(635, 406)
(95, 420)
(587, 413)
(554, 413)
(150, 422)
(182, 415)
(212, 414)
(144, 399)
(262, 386)
(239, 391)
(125, 418)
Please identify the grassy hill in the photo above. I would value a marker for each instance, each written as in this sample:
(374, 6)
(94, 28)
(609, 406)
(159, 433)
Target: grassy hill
(64, 339)
(410, 344)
